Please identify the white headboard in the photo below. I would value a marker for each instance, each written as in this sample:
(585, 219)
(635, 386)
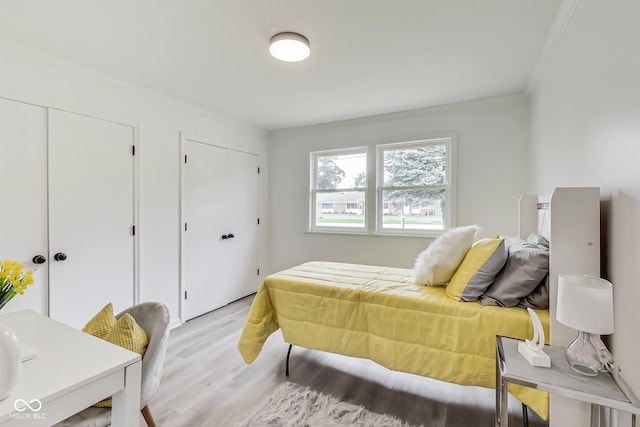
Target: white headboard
(570, 219)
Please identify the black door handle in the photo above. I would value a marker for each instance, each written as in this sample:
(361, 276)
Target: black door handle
(231, 236)
(224, 237)
(39, 259)
(60, 256)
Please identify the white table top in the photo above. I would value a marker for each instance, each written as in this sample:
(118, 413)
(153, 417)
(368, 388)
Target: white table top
(67, 358)
(601, 389)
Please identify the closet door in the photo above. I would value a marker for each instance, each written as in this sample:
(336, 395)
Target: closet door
(206, 253)
(23, 214)
(243, 204)
(90, 216)
(220, 230)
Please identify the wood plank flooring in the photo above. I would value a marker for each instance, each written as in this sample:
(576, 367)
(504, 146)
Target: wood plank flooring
(206, 383)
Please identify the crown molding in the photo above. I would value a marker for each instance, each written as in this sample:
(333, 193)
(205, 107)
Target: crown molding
(557, 31)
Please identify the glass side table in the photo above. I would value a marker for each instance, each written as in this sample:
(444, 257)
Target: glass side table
(511, 367)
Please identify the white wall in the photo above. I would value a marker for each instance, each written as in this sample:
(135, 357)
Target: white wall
(586, 132)
(493, 136)
(28, 75)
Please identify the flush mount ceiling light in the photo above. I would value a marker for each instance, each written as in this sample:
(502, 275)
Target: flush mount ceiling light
(289, 47)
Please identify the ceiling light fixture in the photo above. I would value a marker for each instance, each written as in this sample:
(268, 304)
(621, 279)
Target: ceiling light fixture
(289, 47)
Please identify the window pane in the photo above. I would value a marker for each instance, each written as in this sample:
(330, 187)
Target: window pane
(413, 209)
(415, 166)
(341, 171)
(345, 209)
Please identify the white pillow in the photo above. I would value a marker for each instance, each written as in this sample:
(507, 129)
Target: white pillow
(436, 265)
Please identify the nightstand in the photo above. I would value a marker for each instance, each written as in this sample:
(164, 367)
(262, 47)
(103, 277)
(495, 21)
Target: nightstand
(511, 367)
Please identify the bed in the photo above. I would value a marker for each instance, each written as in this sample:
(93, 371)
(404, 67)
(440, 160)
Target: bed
(379, 313)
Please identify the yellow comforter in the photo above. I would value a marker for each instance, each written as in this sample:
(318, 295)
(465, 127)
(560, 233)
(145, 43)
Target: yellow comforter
(378, 313)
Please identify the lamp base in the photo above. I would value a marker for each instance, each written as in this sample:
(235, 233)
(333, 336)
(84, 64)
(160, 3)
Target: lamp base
(582, 355)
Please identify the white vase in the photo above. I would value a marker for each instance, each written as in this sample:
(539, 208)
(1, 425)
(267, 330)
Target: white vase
(10, 362)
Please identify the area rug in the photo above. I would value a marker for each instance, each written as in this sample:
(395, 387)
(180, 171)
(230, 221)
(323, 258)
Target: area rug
(296, 405)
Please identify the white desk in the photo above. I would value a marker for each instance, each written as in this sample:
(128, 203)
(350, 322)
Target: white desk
(72, 371)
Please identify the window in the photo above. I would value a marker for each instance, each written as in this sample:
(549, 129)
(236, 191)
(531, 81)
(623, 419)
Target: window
(338, 190)
(414, 188)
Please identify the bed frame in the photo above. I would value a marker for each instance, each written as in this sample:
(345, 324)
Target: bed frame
(570, 219)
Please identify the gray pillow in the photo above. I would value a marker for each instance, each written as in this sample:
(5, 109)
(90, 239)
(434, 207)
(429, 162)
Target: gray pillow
(539, 298)
(538, 240)
(526, 266)
(510, 241)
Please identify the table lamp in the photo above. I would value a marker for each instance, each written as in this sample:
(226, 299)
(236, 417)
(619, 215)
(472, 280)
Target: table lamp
(585, 303)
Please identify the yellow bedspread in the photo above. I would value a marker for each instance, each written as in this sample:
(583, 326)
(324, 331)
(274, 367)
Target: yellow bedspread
(378, 313)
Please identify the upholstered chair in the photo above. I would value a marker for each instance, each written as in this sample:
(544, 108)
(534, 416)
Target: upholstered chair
(153, 317)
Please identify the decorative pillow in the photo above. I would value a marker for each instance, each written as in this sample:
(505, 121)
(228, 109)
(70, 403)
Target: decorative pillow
(127, 334)
(436, 264)
(525, 268)
(102, 323)
(478, 270)
(539, 298)
(510, 241)
(538, 240)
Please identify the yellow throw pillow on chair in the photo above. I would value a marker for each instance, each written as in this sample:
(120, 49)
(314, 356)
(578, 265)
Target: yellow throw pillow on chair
(102, 323)
(127, 334)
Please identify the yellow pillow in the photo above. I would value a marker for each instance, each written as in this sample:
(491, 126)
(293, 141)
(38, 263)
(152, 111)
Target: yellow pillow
(102, 323)
(127, 334)
(478, 270)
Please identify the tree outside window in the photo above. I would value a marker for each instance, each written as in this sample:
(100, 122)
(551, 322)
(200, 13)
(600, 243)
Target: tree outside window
(415, 185)
(338, 190)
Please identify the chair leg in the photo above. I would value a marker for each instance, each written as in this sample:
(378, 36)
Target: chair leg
(146, 414)
(525, 415)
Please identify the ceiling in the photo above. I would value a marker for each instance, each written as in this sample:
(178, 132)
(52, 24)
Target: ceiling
(368, 57)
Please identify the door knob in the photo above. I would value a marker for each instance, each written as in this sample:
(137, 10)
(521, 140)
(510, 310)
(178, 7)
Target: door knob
(39, 259)
(60, 256)
(224, 237)
(231, 236)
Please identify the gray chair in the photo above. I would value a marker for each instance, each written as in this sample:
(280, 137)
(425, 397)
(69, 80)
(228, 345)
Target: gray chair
(153, 317)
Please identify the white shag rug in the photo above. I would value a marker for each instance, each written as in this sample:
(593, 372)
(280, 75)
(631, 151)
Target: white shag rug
(296, 405)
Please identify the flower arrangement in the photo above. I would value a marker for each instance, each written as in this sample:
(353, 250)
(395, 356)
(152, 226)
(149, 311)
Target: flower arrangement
(13, 280)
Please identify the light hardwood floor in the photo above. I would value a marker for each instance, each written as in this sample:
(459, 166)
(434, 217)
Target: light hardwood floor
(206, 382)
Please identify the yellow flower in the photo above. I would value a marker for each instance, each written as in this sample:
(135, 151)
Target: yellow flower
(13, 280)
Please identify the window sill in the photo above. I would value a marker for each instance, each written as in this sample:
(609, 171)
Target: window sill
(432, 235)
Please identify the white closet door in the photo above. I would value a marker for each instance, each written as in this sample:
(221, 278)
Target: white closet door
(23, 214)
(205, 254)
(90, 216)
(243, 204)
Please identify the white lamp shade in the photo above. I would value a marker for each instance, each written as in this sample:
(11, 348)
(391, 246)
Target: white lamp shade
(289, 47)
(585, 303)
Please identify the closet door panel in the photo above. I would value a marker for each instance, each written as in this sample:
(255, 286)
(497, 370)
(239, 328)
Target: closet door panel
(90, 216)
(206, 257)
(243, 204)
(23, 215)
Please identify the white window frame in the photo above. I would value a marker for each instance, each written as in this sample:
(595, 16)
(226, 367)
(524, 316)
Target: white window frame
(313, 191)
(450, 187)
